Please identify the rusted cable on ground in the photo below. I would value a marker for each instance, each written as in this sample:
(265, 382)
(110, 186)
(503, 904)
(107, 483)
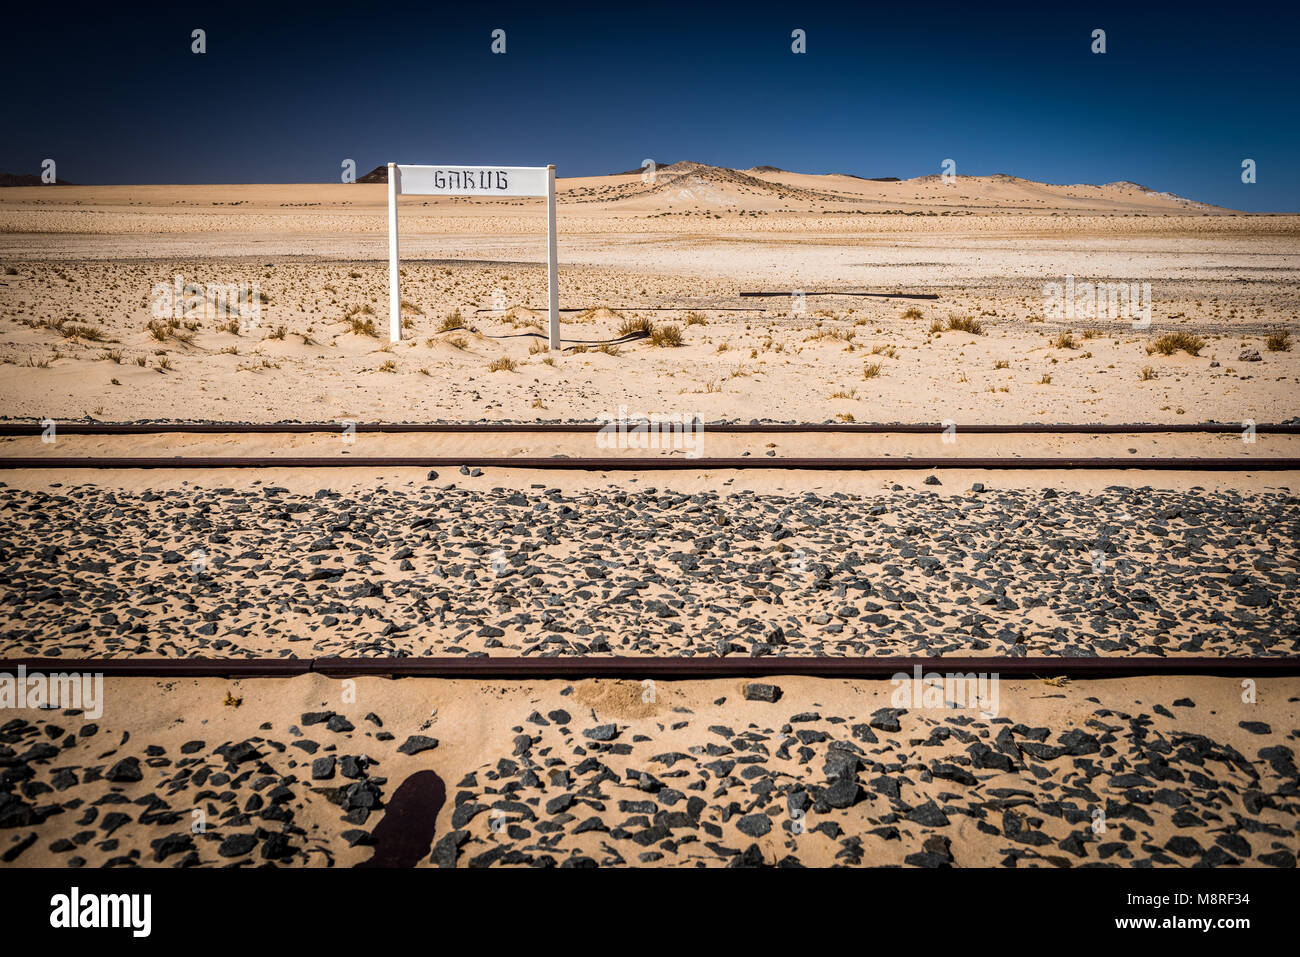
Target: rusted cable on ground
(670, 463)
(675, 668)
(738, 428)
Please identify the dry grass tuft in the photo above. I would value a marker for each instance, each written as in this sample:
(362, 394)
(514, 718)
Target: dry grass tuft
(669, 336)
(966, 324)
(638, 325)
(1171, 342)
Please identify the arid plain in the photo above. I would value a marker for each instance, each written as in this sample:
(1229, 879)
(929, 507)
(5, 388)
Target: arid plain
(82, 264)
(958, 326)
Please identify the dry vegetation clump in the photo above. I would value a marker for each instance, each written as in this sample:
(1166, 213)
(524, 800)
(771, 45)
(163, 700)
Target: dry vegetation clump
(363, 327)
(162, 330)
(1065, 340)
(1147, 374)
(361, 322)
(453, 321)
(871, 370)
(913, 313)
(72, 330)
(1279, 341)
(638, 325)
(966, 324)
(1171, 342)
(668, 336)
(695, 319)
(503, 364)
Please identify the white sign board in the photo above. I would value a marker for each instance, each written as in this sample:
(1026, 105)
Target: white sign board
(471, 181)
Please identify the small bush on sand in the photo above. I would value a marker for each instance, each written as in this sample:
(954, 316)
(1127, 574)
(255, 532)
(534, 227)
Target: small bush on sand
(1065, 340)
(1171, 342)
(669, 336)
(638, 325)
(871, 370)
(88, 333)
(363, 327)
(1279, 341)
(1147, 374)
(504, 364)
(913, 313)
(966, 324)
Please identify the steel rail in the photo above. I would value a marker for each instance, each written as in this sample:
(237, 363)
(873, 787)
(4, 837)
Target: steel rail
(923, 428)
(695, 668)
(627, 463)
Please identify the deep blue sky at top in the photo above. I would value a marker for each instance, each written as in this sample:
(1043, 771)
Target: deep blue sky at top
(286, 93)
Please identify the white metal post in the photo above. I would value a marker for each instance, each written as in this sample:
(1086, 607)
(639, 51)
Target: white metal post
(552, 279)
(394, 284)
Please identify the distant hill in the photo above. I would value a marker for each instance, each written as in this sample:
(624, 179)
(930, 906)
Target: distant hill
(638, 171)
(28, 179)
(687, 185)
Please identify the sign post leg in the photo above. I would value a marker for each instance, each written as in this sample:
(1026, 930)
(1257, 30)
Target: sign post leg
(394, 285)
(552, 279)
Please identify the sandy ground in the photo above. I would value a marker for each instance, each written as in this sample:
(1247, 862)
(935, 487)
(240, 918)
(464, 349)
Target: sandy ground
(81, 266)
(705, 443)
(209, 772)
(305, 771)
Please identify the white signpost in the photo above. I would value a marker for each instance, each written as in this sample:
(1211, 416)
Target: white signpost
(471, 181)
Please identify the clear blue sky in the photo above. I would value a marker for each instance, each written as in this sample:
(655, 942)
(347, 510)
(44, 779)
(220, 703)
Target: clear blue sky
(285, 94)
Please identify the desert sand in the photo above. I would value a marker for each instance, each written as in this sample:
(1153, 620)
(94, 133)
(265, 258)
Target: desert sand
(285, 562)
(544, 774)
(81, 264)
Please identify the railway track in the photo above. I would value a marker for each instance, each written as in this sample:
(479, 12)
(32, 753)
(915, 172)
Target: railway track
(678, 667)
(173, 699)
(756, 428)
(625, 463)
(912, 455)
